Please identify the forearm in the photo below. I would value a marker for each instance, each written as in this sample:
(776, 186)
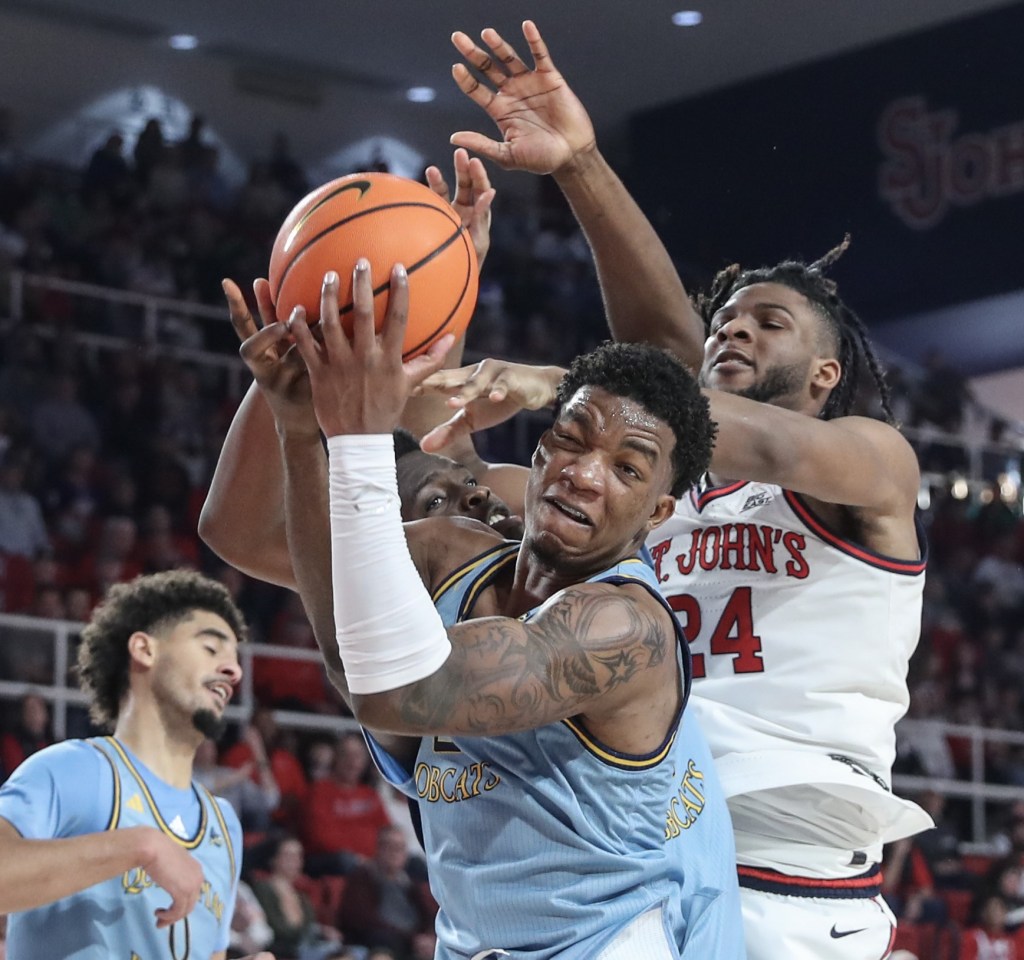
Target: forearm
(308, 531)
(242, 520)
(644, 298)
(37, 872)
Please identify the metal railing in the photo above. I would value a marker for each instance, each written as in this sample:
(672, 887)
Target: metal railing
(56, 640)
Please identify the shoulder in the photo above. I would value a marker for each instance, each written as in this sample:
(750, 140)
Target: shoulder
(440, 544)
(70, 761)
(609, 610)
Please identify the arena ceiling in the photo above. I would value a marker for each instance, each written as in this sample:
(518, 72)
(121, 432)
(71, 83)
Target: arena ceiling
(623, 55)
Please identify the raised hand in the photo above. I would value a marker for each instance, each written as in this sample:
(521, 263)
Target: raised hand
(361, 385)
(277, 369)
(544, 126)
(473, 197)
(486, 394)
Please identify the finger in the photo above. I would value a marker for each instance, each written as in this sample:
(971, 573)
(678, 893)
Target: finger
(437, 183)
(310, 351)
(238, 310)
(363, 328)
(473, 88)
(464, 186)
(421, 367)
(478, 175)
(542, 61)
(446, 433)
(493, 150)
(445, 381)
(264, 301)
(397, 317)
(504, 52)
(480, 58)
(254, 348)
(329, 299)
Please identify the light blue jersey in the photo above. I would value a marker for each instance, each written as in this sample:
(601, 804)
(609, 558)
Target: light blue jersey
(87, 786)
(547, 843)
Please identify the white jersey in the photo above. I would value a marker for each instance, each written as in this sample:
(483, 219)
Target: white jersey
(800, 643)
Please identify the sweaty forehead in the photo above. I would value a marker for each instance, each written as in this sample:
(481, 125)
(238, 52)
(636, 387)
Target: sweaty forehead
(597, 407)
(417, 469)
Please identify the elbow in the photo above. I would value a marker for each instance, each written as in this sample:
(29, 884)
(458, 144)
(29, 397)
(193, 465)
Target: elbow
(377, 711)
(208, 529)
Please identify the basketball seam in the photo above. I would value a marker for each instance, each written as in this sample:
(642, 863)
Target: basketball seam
(458, 303)
(365, 213)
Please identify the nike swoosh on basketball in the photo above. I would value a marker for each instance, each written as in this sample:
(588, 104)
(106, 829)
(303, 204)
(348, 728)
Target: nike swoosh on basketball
(836, 934)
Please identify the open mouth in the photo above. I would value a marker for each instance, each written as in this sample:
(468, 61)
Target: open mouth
(578, 516)
(221, 691)
(732, 360)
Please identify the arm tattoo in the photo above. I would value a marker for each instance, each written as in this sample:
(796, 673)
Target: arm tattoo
(504, 675)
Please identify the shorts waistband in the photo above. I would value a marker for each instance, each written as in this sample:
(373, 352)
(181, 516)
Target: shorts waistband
(863, 886)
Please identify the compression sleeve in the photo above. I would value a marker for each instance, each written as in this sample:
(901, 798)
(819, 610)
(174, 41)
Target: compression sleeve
(388, 632)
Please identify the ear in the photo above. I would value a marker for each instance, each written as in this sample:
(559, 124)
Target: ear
(663, 509)
(141, 649)
(826, 373)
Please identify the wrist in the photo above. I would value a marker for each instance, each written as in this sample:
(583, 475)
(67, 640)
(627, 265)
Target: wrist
(143, 844)
(582, 163)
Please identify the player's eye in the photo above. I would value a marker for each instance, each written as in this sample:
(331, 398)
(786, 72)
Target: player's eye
(434, 503)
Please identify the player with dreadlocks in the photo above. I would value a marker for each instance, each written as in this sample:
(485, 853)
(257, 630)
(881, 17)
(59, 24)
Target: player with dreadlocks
(796, 565)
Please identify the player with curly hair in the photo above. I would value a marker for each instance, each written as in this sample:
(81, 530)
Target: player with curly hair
(107, 845)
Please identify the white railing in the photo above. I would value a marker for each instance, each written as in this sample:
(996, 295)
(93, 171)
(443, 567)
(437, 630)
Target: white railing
(58, 637)
(58, 689)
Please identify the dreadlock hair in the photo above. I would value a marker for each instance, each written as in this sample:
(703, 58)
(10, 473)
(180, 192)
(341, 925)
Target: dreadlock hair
(845, 328)
(661, 385)
(153, 603)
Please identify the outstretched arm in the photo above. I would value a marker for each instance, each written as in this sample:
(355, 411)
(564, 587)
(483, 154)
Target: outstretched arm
(545, 129)
(242, 520)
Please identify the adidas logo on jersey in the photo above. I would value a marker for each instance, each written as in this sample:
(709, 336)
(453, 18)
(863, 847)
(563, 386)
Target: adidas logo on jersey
(134, 803)
(757, 500)
(178, 826)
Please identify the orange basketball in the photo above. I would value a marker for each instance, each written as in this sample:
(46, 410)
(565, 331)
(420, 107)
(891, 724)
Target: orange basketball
(388, 220)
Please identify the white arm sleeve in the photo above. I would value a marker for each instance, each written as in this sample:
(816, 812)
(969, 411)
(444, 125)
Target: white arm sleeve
(388, 632)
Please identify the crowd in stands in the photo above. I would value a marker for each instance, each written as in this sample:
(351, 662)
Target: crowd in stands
(105, 458)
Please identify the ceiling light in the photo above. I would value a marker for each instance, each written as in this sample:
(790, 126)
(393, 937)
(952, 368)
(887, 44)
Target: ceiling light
(687, 18)
(183, 41)
(420, 94)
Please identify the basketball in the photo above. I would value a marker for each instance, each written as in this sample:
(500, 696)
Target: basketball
(388, 220)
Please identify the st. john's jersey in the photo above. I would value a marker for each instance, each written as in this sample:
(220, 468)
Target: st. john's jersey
(800, 644)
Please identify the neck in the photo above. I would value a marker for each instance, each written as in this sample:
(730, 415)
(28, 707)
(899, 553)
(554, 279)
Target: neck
(169, 754)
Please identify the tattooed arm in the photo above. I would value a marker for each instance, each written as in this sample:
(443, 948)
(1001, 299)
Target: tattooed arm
(602, 651)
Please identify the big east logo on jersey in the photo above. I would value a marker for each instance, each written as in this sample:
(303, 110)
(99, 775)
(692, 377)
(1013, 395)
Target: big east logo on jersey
(735, 546)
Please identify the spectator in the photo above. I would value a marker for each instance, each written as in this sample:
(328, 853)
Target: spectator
(31, 733)
(988, 938)
(62, 422)
(262, 743)
(383, 906)
(22, 527)
(250, 931)
(343, 812)
(291, 916)
(253, 802)
(149, 149)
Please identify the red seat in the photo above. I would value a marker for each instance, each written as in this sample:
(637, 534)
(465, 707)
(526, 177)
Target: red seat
(908, 937)
(958, 903)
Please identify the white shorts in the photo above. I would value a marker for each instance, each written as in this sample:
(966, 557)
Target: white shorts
(808, 928)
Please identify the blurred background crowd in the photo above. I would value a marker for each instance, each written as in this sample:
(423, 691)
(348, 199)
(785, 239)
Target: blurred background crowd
(106, 452)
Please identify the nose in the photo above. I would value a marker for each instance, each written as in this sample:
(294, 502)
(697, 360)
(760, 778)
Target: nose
(475, 497)
(231, 670)
(584, 472)
(738, 328)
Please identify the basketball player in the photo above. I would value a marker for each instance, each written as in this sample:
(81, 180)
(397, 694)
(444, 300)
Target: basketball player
(536, 715)
(238, 493)
(795, 564)
(108, 848)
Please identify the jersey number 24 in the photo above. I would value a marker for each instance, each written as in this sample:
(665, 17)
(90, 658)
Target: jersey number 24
(733, 634)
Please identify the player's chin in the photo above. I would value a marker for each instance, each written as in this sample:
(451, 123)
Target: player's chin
(209, 724)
